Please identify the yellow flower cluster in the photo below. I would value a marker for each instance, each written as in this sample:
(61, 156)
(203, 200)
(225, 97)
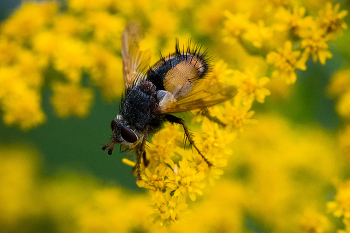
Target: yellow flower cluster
(175, 175)
(261, 39)
(260, 186)
(41, 46)
(291, 32)
(84, 39)
(339, 88)
(340, 207)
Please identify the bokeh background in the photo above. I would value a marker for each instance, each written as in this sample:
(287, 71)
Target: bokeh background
(287, 166)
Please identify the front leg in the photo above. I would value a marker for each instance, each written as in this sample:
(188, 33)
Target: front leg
(140, 152)
(174, 119)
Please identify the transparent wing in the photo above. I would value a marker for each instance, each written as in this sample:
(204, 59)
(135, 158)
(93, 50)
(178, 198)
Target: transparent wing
(204, 94)
(134, 60)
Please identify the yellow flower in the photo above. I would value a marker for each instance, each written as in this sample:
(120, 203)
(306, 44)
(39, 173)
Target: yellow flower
(156, 182)
(214, 172)
(212, 21)
(296, 21)
(340, 83)
(163, 146)
(213, 140)
(259, 34)
(18, 170)
(106, 71)
(313, 222)
(23, 108)
(316, 46)
(260, 157)
(163, 23)
(29, 19)
(29, 69)
(235, 25)
(169, 211)
(45, 44)
(85, 5)
(106, 28)
(71, 99)
(331, 22)
(346, 222)
(220, 73)
(214, 143)
(340, 207)
(20, 101)
(186, 181)
(236, 116)
(68, 25)
(250, 87)
(71, 57)
(285, 62)
(343, 105)
(8, 51)
(344, 140)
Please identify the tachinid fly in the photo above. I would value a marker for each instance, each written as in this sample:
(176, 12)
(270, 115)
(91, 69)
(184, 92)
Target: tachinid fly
(174, 84)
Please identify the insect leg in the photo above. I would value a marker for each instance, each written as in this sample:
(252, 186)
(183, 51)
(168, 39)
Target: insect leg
(174, 119)
(206, 113)
(145, 160)
(140, 152)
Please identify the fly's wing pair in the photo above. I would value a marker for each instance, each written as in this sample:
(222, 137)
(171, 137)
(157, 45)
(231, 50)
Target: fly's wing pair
(203, 93)
(134, 60)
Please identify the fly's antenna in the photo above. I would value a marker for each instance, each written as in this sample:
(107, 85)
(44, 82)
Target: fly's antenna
(110, 145)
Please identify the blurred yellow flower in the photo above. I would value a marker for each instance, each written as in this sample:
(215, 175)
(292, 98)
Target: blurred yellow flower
(235, 25)
(20, 103)
(331, 22)
(17, 186)
(220, 73)
(22, 24)
(259, 34)
(295, 20)
(163, 23)
(285, 62)
(169, 211)
(313, 222)
(339, 83)
(23, 109)
(106, 28)
(236, 116)
(315, 46)
(71, 99)
(86, 5)
(340, 207)
(44, 44)
(8, 51)
(344, 140)
(305, 170)
(71, 58)
(343, 105)
(68, 25)
(106, 71)
(251, 87)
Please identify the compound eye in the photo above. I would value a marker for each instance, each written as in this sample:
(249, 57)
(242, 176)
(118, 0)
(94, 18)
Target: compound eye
(128, 135)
